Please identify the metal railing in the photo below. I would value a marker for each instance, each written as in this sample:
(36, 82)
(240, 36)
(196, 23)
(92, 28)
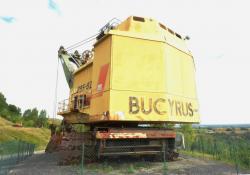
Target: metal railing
(75, 104)
(64, 106)
(13, 152)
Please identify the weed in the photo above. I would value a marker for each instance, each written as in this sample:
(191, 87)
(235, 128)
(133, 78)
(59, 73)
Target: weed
(130, 169)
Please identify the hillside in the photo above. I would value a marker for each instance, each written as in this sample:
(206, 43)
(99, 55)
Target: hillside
(38, 136)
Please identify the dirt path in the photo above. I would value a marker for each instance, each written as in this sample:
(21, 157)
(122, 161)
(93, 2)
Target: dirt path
(46, 164)
(42, 164)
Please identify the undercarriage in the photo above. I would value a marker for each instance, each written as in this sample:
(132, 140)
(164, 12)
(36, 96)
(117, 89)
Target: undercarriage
(112, 142)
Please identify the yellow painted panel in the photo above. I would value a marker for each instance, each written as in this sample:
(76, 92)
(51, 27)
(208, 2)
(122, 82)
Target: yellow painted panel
(99, 104)
(82, 78)
(173, 71)
(100, 99)
(81, 87)
(138, 65)
(188, 77)
(150, 71)
(180, 73)
(152, 107)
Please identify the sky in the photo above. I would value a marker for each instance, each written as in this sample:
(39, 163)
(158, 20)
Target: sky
(31, 33)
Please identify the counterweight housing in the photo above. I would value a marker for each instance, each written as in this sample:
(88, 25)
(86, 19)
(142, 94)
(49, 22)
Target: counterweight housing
(141, 72)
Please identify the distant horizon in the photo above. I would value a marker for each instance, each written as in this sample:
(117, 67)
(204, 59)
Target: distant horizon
(224, 124)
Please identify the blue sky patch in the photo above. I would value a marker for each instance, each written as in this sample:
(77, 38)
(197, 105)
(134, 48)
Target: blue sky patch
(7, 19)
(52, 5)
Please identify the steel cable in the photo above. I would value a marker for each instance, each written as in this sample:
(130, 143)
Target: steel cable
(91, 38)
(82, 42)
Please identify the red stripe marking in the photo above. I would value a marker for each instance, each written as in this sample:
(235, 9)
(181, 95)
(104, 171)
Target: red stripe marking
(103, 75)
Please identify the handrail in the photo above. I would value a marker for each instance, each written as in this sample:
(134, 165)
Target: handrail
(64, 106)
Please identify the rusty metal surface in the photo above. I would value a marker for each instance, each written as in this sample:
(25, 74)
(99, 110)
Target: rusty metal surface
(135, 133)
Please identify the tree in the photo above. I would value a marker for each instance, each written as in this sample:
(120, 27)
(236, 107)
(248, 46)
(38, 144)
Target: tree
(42, 120)
(30, 117)
(9, 111)
(189, 134)
(27, 114)
(29, 123)
(30, 114)
(3, 105)
(14, 113)
(14, 110)
(34, 114)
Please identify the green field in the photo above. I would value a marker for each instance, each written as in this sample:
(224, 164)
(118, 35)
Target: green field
(38, 136)
(229, 145)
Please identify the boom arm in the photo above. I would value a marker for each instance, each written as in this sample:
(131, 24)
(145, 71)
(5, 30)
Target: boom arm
(68, 68)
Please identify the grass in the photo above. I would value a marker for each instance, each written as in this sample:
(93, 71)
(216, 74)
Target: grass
(115, 168)
(131, 169)
(4, 122)
(229, 148)
(205, 156)
(197, 154)
(38, 136)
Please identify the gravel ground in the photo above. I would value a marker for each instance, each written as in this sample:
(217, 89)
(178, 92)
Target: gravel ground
(46, 164)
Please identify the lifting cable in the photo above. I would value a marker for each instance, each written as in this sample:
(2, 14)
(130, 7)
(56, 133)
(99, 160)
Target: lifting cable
(91, 38)
(113, 21)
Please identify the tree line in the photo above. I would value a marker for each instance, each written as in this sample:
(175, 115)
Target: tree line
(29, 118)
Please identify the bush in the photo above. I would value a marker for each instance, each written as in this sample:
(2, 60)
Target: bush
(28, 123)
